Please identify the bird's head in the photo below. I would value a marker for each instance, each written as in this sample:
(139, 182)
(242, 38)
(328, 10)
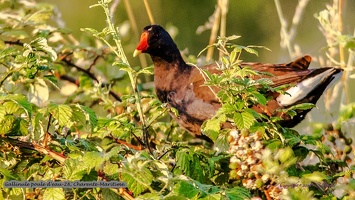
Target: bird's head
(156, 41)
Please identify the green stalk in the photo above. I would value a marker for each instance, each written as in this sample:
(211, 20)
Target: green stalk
(120, 53)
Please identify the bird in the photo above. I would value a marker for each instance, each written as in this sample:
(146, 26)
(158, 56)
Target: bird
(181, 85)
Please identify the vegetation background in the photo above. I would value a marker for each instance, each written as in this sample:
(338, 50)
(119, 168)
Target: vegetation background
(257, 22)
(75, 105)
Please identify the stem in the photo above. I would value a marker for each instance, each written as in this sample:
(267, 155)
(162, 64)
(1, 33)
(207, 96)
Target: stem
(120, 53)
(224, 10)
(283, 28)
(214, 31)
(149, 11)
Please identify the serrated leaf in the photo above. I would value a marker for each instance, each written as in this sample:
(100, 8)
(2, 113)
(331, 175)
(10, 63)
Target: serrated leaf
(63, 113)
(43, 45)
(146, 70)
(7, 124)
(265, 81)
(212, 128)
(84, 114)
(16, 34)
(291, 139)
(246, 71)
(237, 193)
(243, 120)
(221, 143)
(137, 180)
(261, 99)
(303, 106)
(20, 100)
(183, 160)
(54, 194)
(39, 17)
(108, 194)
(251, 51)
(38, 93)
(93, 160)
(316, 176)
(74, 169)
(123, 66)
(186, 189)
(8, 175)
(233, 55)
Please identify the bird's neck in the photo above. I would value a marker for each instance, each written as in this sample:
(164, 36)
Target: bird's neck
(171, 61)
(170, 77)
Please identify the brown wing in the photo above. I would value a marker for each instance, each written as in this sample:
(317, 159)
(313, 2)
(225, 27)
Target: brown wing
(290, 73)
(201, 91)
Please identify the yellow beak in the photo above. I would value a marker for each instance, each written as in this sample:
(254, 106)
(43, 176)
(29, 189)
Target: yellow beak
(136, 52)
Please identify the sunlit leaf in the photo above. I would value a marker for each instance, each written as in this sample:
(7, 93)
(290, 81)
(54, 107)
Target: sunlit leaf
(38, 93)
(243, 120)
(316, 176)
(138, 180)
(39, 17)
(93, 160)
(63, 113)
(54, 194)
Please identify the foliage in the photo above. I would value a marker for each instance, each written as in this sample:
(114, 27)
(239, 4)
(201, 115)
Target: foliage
(78, 112)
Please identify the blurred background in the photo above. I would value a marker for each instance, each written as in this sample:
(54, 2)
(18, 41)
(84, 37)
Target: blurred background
(257, 22)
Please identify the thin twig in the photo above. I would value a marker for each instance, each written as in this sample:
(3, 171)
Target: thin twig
(69, 63)
(133, 22)
(47, 135)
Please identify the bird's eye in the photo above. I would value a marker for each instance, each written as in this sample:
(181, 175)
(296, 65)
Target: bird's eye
(149, 29)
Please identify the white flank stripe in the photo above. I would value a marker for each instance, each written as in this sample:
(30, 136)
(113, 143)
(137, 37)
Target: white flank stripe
(302, 89)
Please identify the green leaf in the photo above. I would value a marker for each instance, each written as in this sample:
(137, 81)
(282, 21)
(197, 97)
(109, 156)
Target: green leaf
(291, 139)
(39, 17)
(62, 113)
(146, 70)
(183, 160)
(238, 193)
(54, 194)
(7, 124)
(251, 51)
(84, 114)
(243, 120)
(212, 128)
(74, 169)
(316, 176)
(186, 189)
(20, 100)
(138, 180)
(108, 194)
(259, 98)
(38, 93)
(16, 34)
(303, 106)
(8, 175)
(93, 160)
(233, 55)
(123, 66)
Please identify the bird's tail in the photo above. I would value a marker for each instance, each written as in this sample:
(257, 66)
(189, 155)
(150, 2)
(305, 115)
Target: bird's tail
(311, 87)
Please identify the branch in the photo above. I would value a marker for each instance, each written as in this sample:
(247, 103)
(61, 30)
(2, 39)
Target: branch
(34, 146)
(68, 62)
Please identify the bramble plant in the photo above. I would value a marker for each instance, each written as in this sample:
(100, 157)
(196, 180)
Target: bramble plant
(71, 112)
